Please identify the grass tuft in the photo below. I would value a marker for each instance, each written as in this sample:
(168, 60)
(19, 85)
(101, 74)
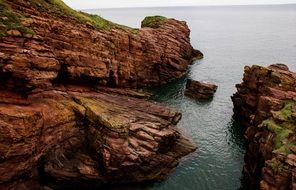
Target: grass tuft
(153, 21)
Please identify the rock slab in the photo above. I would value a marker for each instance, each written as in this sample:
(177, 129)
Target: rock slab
(200, 90)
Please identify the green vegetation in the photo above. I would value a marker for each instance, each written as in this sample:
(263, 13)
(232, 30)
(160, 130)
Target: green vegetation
(153, 21)
(283, 129)
(10, 20)
(286, 113)
(276, 165)
(61, 9)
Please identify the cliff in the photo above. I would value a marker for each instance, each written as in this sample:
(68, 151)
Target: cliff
(70, 112)
(265, 105)
(54, 44)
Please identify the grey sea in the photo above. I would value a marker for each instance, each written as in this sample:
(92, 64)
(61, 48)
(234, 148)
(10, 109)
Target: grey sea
(230, 38)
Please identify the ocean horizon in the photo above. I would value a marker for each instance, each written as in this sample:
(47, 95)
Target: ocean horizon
(188, 6)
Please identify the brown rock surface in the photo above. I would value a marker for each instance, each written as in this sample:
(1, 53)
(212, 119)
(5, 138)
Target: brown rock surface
(64, 49)
(75, 134)
(61, 126)
(200, 90)
(197, 55)
(265, 104)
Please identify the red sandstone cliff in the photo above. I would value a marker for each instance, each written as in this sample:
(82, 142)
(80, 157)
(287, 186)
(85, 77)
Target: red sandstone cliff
(63, 50)
(60, 124)
(265, 104)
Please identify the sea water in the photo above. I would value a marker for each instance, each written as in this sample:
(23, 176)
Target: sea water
(230, 38)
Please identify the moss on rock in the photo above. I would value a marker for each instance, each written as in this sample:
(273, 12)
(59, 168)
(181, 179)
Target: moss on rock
(11, 22)
(153, 21)
(286, 113)
(282, 130)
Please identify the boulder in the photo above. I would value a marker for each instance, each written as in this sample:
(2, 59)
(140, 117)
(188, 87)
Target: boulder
(200, 90)
(197, 55)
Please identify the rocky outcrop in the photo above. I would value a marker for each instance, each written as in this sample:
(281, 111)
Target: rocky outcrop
(200, 90)
(62, 49)
(197, 55)
(265, 103)
(73, 135)
(67, 117)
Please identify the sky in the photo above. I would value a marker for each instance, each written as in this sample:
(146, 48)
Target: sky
(92, 4)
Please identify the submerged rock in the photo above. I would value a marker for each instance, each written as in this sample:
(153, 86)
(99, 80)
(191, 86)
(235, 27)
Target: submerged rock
(200, 90)
(265, 103)
(197, 55)
(67, 118)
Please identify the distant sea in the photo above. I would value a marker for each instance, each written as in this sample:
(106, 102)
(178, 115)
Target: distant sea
(230, 38)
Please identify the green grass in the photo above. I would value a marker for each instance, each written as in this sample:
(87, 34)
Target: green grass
(61, 9)
(10, 20)
(282, 130)
(281, 133)
(286, 113)
(153, 21)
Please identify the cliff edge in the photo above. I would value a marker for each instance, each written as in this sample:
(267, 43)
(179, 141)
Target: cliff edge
(44, 42)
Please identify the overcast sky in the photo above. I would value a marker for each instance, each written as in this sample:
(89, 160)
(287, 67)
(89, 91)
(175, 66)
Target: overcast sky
(90, 4)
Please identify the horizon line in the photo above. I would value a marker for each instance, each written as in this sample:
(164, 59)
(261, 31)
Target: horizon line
(183, 6)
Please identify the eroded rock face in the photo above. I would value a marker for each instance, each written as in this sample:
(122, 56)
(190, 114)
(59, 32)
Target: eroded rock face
(63, 49)
(60, 125)
(265, 103)
(200, 90)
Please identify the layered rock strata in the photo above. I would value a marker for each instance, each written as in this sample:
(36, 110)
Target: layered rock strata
(67, 119)
(265, 103)
(74, 135)
(63, 49)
